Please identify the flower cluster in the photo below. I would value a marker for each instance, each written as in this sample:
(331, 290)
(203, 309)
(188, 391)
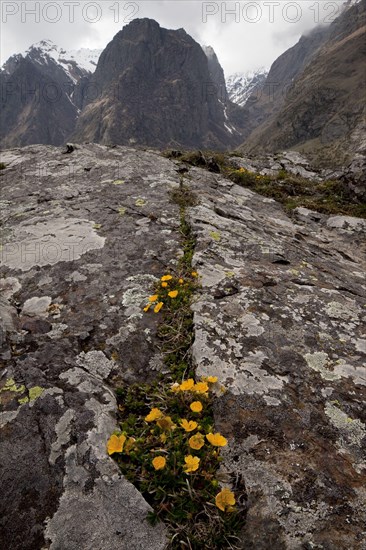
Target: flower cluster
(179, 442)
(169, 288)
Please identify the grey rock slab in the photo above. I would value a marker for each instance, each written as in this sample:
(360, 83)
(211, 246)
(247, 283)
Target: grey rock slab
(49, 242)
(37, 306)
(280, 321)
(57, 401)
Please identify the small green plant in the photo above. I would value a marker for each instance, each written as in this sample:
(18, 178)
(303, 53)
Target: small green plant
(244, 177)
(282, 174)
(292, 191)
(183, 196)
(167, 447)
(2, 166)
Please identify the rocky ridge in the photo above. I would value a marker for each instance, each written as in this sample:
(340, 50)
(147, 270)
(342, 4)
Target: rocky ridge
(279, 319)
(313, 98)
(154, 87)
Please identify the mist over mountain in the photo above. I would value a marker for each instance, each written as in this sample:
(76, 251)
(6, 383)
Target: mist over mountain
(158, 87)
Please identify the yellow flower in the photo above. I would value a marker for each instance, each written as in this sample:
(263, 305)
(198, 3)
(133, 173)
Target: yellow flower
(159, 463)
(153, 298)
(224, 500)
(164, 285)
(192, 463)
(173, 293)
(196, 441)
(216, 439)
(200, 387)
(115, 444)
(166, 278)
(212, 379)
(187, 385)
(189, 426)
(194, 274)
(180, 281)
(147, 307)
(196, 406)
(154, 414)
(158, 307)
(166, 423)
(163, 438)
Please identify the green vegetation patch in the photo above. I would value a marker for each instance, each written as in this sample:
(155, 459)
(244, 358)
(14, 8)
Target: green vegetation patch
(328, 197)
(167, 445)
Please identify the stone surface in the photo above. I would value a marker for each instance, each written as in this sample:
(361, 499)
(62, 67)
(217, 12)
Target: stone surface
(279, 319)
(80, 253)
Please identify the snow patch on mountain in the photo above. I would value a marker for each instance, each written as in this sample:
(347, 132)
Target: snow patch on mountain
(241, 86)
(74, 62)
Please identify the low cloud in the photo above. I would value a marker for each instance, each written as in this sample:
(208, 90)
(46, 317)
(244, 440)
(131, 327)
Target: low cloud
(245, 35)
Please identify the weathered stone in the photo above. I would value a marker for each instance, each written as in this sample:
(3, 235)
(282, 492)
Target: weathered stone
(279, 319)
(285, 339)
(58, 415)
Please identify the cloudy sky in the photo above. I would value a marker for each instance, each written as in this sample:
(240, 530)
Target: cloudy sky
(245, 35)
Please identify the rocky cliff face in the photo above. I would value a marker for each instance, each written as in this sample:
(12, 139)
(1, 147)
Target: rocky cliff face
(41, 92)
(279, 320)
(153, 87)
(216, 73)
(36, 105)
(313, 98)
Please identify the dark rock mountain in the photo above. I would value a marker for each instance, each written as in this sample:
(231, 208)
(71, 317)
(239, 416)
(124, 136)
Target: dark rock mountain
(37, 92)
(42, 92)
(153, 87)
(216, 73)
(259, 107)
(314, 95)
(158, 87)
(235, 117)
(35, 105)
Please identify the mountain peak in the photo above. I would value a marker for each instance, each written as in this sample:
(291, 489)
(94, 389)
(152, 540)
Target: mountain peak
(165, 79)
(45, 43)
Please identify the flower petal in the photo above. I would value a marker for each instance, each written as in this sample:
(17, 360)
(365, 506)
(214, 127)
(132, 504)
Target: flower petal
(115, 444)
(159, 462)
(225, 499)
(158, 307)
(196, 441)
(189, 426)
(196, 406)
(217, 440)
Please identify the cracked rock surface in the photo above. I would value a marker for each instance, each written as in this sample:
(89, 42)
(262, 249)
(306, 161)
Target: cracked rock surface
(81, 251)
(280, 319)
